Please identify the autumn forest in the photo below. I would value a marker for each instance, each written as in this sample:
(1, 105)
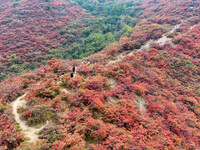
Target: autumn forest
(99, 74)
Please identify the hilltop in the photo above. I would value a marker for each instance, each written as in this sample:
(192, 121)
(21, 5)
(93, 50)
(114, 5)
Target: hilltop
(141, 92)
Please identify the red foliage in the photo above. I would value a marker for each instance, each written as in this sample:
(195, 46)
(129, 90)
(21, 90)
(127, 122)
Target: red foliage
(83, 70)
(95, 83)
(10, 135)
(162, 82)
(33, 28)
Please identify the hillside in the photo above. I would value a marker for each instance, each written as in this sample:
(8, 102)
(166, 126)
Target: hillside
(29, 29)
(141, 92)
(32, 32)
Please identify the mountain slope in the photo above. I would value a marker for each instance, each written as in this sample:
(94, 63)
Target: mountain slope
(41, 30)
(34, 23)
(120, 98)
(30, 28)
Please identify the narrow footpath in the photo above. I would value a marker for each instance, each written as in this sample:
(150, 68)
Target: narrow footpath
(29, 132)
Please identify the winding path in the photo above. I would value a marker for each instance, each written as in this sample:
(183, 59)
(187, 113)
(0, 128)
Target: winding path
(146, 46)
(161, 40)
(30, 132)
(64, 90)
(139, 100)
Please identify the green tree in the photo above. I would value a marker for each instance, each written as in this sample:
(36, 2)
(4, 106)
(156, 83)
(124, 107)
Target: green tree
(95, 42)
(15, 68)
(110, 38)
(13, 59)
(15, 4)
(87, 32)
(47, 8)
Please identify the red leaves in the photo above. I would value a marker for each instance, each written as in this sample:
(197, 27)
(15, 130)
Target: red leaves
(74, 83)
(123, 114)
(87, 97)
(10, 136)
(131, 45)
(164, 20)
(56, 65)
(11, 89)
(95, 83)
(112, 51)
(156, 108)
(139, 90)
(24, 36)
(58, 145)
(98, 104)
(162, 79)
(74, 141)
(83, 70)
(97, 128)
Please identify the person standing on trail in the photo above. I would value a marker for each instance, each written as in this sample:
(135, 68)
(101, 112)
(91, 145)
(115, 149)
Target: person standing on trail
(74, 69)
(72, 75)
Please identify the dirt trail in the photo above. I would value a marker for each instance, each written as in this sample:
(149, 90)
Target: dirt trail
(29, 131)
(164, 38)
(141, 105)
(146, 46)
(161, 40)
(64, 90)
(140, 101)
(192, 26)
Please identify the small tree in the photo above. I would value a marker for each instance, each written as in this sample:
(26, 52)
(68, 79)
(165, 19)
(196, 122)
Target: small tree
(13, 59)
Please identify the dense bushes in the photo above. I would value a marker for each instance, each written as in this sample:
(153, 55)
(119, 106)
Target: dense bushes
(144, 100)
(28, 35)
(10, 136)
(57, 35)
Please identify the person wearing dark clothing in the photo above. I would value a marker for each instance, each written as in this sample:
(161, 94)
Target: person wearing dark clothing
(74, 69)
(72, 75)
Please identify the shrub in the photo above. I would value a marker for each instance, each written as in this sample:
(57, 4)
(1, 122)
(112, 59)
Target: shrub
(15, 4)
(47, 8)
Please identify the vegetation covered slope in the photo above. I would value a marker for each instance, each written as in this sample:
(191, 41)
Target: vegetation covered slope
(29, 29)
(111, 20)
(124, 98)
(33, 32)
